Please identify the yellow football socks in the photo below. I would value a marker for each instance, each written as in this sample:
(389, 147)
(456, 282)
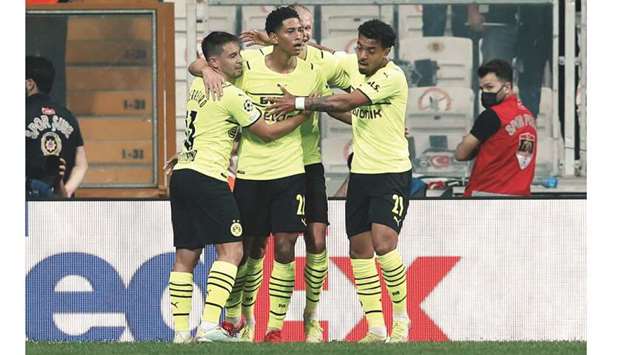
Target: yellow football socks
(219, 284)
(369, 291)
(395, 276)
(315, 273)
(233, 305)
(281, 286)
(253, 281)
(181, 286)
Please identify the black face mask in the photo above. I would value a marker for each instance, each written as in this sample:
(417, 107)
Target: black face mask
(490, 98)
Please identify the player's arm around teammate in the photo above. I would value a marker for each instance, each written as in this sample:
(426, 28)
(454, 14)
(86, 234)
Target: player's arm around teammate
(377, 197)
(204, 210)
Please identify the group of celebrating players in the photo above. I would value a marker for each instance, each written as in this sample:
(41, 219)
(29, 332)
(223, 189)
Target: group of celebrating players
(269, 99)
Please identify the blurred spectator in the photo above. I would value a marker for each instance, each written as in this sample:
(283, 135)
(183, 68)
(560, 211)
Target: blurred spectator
(503, 139)
(498, 28)
(434, 20)
(533, 51)
(524, 33)
(55, 156)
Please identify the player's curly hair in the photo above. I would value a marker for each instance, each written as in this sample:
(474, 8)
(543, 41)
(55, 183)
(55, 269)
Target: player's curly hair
(378, 30)
(277, 16)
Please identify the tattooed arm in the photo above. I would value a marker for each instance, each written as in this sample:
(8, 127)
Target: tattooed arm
(335, 103)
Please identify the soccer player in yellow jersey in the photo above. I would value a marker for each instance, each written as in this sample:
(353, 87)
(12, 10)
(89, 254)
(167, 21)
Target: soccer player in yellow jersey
(377, 197)
(315, 271)
(316, 267)
(203, 209)
(271, 186)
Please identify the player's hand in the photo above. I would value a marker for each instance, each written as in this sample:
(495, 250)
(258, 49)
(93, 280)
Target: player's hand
(170, 163)
(255, 37)
(283, 104)
(213, 83)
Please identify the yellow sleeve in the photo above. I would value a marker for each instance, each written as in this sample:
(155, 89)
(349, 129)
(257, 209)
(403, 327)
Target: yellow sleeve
(247, 54)
(321, 86)
(240, 107)
(380, 86)
(250, 53)
(334, 72)
(348, 63)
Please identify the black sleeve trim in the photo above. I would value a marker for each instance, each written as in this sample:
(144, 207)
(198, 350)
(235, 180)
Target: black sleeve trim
(261, 51)
(486, 125)
(248, 65)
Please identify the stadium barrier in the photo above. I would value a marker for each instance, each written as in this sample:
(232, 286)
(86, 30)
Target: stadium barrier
(477, 270)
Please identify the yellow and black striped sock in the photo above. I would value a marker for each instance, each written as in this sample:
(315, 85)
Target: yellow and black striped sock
(219, 283)
(315, 273)
(281, 285)
(253, 281)
(369, 291)
(181, 286)
(395, 275)
(233, 305)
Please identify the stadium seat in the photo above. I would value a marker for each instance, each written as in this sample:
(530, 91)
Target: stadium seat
(453, 55)
(341, 43)
(437, 118)
(440, 107)
(221, 18)
(253, 17)
(409, 21)
(337, 20)
(345, 43)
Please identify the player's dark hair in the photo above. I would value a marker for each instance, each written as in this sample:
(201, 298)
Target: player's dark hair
(41, 70)
(277, 17)
(213, 43)
(378, 30)
(501, 68)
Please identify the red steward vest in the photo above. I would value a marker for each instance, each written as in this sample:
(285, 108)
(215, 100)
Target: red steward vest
(505, 163)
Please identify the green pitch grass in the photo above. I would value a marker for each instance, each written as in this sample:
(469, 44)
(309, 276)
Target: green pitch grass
(460, 348)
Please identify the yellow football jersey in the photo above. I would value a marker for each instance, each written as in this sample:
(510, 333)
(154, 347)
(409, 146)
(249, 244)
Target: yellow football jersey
(379, 141)
(260, 160)
(333, 74)
(211, 128)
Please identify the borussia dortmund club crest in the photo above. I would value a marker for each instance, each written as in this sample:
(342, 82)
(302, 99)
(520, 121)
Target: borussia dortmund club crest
(51, 144)
(236, 229)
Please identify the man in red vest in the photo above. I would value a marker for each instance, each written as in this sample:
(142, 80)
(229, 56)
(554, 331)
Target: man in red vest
(503, 139)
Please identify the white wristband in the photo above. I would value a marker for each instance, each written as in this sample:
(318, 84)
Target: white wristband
(300, 103)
